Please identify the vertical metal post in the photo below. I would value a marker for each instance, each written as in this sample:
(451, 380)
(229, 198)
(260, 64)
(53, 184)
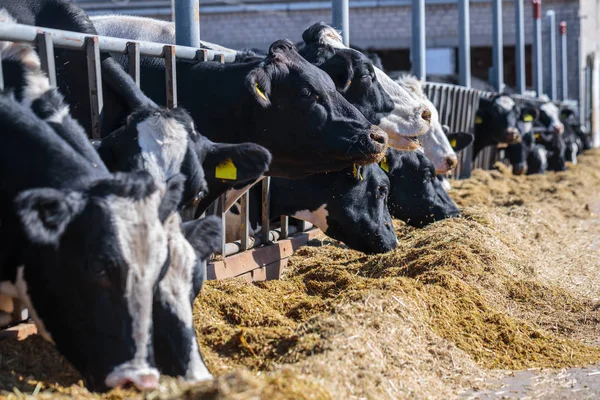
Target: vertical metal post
(498, 47)
(520, 46)
(464, 44)
(133, 52)
(92, 49)
(417, 51)
(285, 222)
(551, 21)
(187, 23)
(538, 71)
(340, 18)
(221, 212)
(266, 217)
(563, 56)
(46, 51)
(244, 214)
(171, 75)
(1, 74)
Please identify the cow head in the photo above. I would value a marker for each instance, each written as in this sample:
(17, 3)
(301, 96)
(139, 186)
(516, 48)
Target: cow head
(408, 118)
(496, 120)
(517, 153)
(435, 143)
(550, 118)
(416, 196)
(92, 293)
(298, 111)
(458, 140)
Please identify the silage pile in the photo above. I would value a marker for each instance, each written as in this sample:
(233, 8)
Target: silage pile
(511, 285)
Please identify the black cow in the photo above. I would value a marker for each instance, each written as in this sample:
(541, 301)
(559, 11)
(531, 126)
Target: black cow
(417, 197)
(348, 205)
(496, 122)
(74, 253)
(281, 102)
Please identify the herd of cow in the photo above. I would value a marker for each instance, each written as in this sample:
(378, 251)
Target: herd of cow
(102, 240)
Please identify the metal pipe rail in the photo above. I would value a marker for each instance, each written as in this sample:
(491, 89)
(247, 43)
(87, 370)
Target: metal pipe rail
(47, 40)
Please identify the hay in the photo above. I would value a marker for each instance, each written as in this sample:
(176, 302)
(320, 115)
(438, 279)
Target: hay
(512, 285)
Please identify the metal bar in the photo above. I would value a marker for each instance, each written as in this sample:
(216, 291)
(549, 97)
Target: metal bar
(464, 44)
(538, 72)
(133, 52)
(551, 21)
(95, 84)
(244, 216)
(340, 18)
(497, 48)
(46, 52)
(265, 209)
(221, 212)
(520, 46)
(285, 221)
(417, 51)
(563, 56)
(1, 74)
(171, 76)
(76, 41)
(187, 23)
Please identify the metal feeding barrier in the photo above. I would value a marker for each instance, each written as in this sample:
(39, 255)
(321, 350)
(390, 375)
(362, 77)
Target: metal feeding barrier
(268, 262)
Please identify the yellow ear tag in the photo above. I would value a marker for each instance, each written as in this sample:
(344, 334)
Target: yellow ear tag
(356, 172)
(260, 93)
(226, 170)
(478, 120)
(384, 165)
(453, 143)
(528, 118)
(537, 135)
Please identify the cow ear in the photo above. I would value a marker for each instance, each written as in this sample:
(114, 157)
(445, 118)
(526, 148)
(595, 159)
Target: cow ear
(236, 163)
(172, 197)
(45, 213)
(205, 236)
(460, 140)
(259, 85)
(529, 114)
(339, 68)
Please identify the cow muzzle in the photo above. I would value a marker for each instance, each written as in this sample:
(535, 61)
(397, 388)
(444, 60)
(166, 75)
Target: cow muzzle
(512, 135)
(144, 378)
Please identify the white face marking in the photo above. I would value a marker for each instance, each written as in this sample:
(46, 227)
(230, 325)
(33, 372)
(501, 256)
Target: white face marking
(59, 116)
(524, 127)
(446, 185)
(163, 142)
(543, 157)
(317, 217)
(505, 102)
(233, 195)
(435, 142)
(553, 113)
(406, 117)
(143, 244)
(233, 225)
(176, 288)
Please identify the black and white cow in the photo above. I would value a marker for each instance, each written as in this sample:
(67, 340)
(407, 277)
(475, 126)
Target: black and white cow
(496, 122)
(405, 118)
(527, 156)
(575, 138)
(281, 102)
(83, 249)
(349, 205)
(176, 347)
(553, 138)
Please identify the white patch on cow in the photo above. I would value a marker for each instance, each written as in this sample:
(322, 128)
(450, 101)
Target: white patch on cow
(163, 142)
(143, 244)
(175, 290)
(22, 292)
(233, 224)
(446, 184)
(553, 113)
(134, 27)
(317, 217)
(435, 142)
(505, 102)
(524, 127)
(233, 195)
(59, 116)
(543, 157)
(406, 117)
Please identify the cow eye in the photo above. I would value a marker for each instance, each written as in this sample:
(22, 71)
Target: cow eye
(305, 93)
(382, 190)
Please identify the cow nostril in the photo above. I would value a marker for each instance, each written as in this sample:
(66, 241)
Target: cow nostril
(378, 136)
(426, 115)
(452, 161)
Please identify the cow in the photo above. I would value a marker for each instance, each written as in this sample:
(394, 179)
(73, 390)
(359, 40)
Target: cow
(281, 102)
(436, 145)
(406, 118)
(74, 250)
(527, 156)
(553, 138)
(176, 347)
(417, 197)
(575, 138)
(348, 205)
(496, 122)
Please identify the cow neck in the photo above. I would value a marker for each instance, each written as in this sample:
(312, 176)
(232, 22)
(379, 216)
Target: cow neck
(219, 100)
